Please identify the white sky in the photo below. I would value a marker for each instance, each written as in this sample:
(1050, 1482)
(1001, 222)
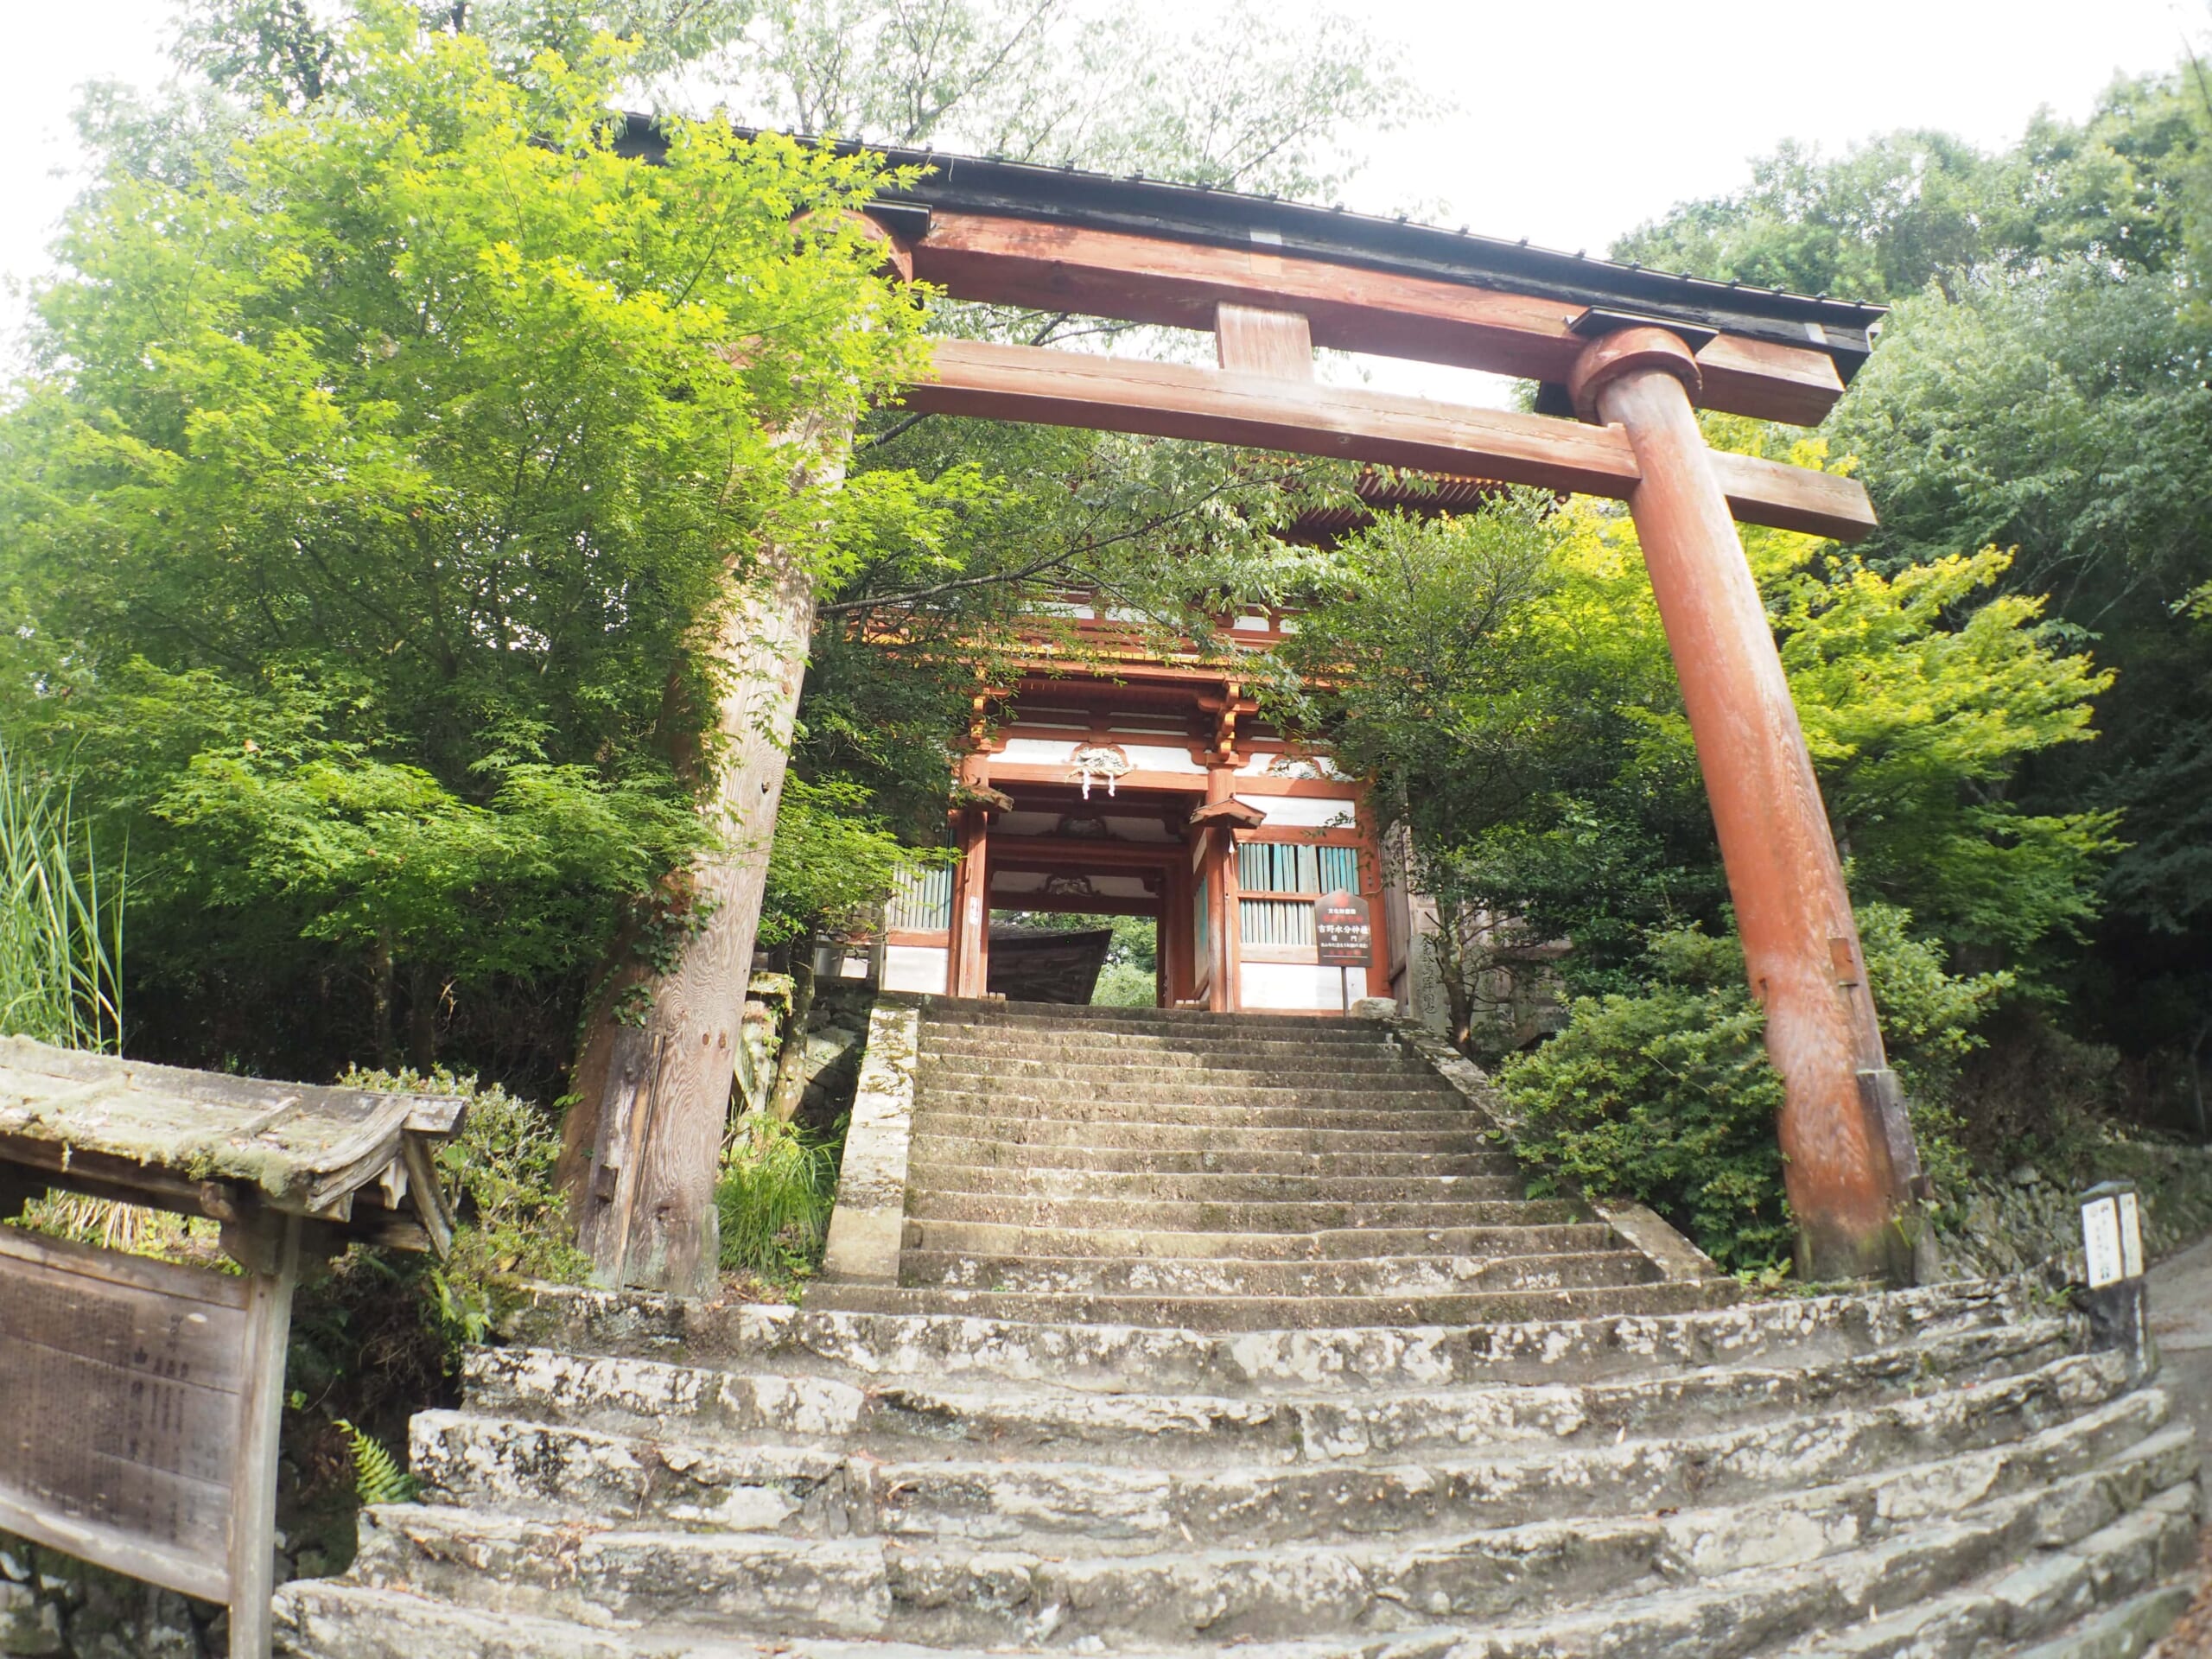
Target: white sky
(1571, 121)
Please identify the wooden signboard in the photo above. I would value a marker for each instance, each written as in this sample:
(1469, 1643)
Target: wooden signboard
(142, 1401)
(1342, 931)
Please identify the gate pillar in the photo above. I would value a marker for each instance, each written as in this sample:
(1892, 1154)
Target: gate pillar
(1851, 1170)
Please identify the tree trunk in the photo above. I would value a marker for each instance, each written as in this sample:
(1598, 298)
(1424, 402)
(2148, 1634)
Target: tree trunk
(424, 993)
(380, 990)
(641, 1144)
(791, 1060)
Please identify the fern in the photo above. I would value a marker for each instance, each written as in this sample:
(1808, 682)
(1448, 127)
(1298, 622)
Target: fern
(377, 1477)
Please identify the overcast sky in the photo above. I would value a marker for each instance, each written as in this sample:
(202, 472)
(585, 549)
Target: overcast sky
(1573, 121)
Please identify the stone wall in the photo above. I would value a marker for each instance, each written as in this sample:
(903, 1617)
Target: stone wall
(2027, 1218)
(54, 1606)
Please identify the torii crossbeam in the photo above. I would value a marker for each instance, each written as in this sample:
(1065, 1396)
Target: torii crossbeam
(1624, 358)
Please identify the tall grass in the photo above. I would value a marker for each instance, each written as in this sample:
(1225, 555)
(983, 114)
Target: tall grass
(61, 918)
(777, 1189)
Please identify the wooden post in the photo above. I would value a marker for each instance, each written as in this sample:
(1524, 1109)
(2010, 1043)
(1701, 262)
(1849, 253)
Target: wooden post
(1853, 1172)
(653, 1222)
(273, 1263)
(968, 972)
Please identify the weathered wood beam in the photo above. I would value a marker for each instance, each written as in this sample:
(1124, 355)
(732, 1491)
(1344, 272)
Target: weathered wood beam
(1059, 267)
(1173, 400)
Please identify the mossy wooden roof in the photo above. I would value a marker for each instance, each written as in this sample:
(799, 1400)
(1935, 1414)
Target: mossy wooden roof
(205, 1142)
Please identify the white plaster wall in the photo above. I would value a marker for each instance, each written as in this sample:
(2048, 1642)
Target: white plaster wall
(1297, 985)
(915, 968)
(1301, 811)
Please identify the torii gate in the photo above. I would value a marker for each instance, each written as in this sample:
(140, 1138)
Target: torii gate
(1624, 358)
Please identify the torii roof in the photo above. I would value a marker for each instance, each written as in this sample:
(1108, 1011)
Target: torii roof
(1844, 329)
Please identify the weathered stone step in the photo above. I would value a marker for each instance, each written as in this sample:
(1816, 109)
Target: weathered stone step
(488, 1463)
(1212, 1156)
(1057, 1017)
(1382, 1275)
(1279, 1216)
(992, 1121)
(954, 1593)
(2097, 1582)
(1232, 1109)
(944, 1179)
(1376, 1074)
(983, 1238)
(1752, 1611)
(865, 1346)
(2124, 1630)
(1216, 1048)
(1281, 1313)
(659, 1398)
(1200, 1082)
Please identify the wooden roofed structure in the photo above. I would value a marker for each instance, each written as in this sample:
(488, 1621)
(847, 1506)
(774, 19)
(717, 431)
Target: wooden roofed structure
(145, 1396)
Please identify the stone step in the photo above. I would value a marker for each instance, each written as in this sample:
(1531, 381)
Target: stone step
(956, 1593)
(980, 1238)
(976, 1015)
(938, 1118)
(1281, 1313)
(1385, 1275)
(2128, 1628)
(931, 1147)
(1204, 1051)
(1753, 1612)
(1368, 1074)
(2052, 1422)
(1167, 1086)
(942, 1178)
(865, 1347)
(658, 1398)
(1277, 1216)
(1246, 1109)
(1377, 1074)
(2097, 1582)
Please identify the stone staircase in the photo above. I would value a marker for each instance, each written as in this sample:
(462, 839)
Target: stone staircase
(1288, 1368)
(1230, 1172)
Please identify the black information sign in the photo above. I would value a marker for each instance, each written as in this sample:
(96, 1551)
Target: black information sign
(1342, 931)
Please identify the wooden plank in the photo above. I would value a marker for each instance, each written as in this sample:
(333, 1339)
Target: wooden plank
(253, 1530)
(1772, 381)
(1173, 400)
(113, 1266)
(111, 1548)
(122, 1380)
(1060, 267)
(1248, 340)
(1793, 498)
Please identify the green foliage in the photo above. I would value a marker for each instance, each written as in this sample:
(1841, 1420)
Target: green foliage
(512, 1219)
(377, 1477)
(833, 859)
(1130, 977)
(385, 459)
(1906, 208)
(779, 1184)
(1664, 1095)
(1505, 678)
(2040, 388)
(60, 918)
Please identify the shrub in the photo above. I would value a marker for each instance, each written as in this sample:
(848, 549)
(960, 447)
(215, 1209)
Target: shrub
(1665, 1095)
